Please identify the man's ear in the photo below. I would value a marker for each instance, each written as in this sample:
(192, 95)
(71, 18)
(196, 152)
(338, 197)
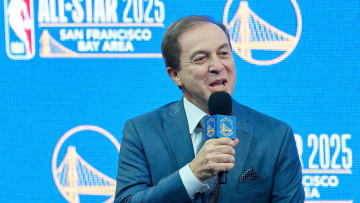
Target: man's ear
(174, 75)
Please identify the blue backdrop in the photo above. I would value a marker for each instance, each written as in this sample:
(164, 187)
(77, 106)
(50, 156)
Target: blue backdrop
(72, 72)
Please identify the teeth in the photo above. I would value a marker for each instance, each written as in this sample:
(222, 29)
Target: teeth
(219, 85)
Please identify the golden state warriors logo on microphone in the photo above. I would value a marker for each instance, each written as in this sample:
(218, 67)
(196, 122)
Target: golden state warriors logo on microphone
(220, 126)
(210, 127)
(226, 127)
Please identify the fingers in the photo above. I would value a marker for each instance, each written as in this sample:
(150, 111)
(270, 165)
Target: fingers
(218, 158)
(210, 166)
(221, 141)
(235, 142)
(219, 149)
(223, 167)
(224, 141)
(216, 168)
(222, 158)
(209, 170)
(219, 146)
(216, 155)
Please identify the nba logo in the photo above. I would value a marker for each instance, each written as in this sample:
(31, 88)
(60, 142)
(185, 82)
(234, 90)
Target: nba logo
(19, 29)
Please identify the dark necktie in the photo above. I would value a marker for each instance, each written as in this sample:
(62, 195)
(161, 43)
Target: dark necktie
(211, 195)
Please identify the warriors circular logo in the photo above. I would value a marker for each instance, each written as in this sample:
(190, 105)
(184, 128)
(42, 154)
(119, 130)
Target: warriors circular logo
(74, 177)
(254, 36)
(226, 127)
(210, 127)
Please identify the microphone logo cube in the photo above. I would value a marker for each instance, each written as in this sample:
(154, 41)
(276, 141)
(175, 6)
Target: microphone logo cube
(217, 126)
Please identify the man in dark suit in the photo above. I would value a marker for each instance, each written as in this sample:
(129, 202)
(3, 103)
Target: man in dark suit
(162, 158)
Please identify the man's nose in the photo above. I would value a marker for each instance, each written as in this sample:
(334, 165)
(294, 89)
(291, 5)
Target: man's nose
(216, 65)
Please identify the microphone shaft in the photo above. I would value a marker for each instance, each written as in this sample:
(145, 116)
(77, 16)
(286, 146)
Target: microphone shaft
(222, 177)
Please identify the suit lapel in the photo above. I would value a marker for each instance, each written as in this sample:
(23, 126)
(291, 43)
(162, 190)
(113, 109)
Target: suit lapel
(177, 133)
(245, 136)
(243, 133)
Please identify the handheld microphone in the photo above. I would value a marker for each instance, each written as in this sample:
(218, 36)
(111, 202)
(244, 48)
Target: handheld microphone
(220, 123)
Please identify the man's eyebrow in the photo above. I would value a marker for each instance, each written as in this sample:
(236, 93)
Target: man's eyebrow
(225, 45)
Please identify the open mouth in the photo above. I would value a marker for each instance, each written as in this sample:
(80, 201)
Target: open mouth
(218, 84)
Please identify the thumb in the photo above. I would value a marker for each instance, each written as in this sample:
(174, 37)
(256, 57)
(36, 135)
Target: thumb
(235, 142)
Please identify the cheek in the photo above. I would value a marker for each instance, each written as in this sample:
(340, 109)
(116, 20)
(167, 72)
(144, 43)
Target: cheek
(231, 63)
(200, 74)
(231, 68)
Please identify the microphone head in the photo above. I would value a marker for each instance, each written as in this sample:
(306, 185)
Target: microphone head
(220, 103)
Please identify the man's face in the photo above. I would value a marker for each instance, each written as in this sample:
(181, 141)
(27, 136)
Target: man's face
(206, 64)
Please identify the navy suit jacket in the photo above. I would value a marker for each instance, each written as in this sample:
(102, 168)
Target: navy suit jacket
(156, 145)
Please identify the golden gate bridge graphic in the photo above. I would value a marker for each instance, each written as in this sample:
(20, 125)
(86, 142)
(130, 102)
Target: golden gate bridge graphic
(249, 32)
(52, 48)
(74, 176)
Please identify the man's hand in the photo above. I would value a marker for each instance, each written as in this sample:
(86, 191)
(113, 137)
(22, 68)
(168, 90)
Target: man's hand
(216, 155)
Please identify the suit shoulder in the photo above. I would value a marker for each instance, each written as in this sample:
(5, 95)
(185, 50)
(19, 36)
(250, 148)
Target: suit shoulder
(155, 115)
(261, 118)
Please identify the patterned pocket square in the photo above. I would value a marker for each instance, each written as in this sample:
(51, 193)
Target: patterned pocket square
(250, 174)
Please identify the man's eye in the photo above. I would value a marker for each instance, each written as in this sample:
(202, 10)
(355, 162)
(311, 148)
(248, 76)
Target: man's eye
(224, 53)
(200, 59)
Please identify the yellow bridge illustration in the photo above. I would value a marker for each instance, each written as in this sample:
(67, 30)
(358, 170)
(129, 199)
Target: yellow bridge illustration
(225, 129)
(210, 129)
(249, 32)
(75, 177)
(52, 48)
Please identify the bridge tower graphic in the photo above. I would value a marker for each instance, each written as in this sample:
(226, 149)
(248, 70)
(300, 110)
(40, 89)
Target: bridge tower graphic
(250, 32)
(52, 48)
(74, 176)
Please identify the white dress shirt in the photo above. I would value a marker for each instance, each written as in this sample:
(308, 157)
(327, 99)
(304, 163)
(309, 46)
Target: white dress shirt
(191, 182)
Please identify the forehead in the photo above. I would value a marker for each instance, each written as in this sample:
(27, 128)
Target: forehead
(202, 36)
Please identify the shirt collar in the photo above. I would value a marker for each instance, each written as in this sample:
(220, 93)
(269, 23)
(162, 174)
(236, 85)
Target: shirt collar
(193, 114)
